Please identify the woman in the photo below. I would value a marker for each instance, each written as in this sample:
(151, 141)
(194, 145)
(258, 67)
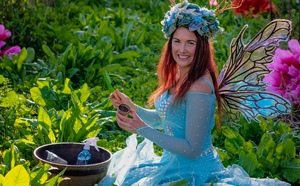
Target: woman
(185, 105)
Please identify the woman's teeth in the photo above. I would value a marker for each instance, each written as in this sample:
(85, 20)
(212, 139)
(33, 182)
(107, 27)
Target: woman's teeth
(183, 57)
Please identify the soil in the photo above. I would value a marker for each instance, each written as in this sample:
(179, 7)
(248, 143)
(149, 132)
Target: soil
(124, 108)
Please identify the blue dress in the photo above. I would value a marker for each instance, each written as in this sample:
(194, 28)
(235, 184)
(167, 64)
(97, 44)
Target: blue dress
(188, 151)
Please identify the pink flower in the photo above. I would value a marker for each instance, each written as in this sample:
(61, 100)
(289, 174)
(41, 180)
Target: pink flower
(10, 50)
(2, 43)
(285, 78)
(213, 2)
(4, 33)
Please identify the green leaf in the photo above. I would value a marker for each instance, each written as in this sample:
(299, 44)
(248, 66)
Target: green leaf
(233, 145)
(85, 93)
(21, 58)
(242, 157)
(286, 150)
(2, 79)
(250, 163)
(290, 170)
(229, 132)
(45, 121)
(37, 96)
(108, 80)
(67, 87)
(30, 55)
(224, 155)
(265, 146)
(247, 147)
(56, 179)
(18, 176)
(127, 29)
(182, 182)
(140, 37)
(72, 72)
(47, 51)
(38, 174)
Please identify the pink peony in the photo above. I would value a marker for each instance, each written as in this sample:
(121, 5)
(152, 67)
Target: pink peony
(10, 50)
(4, 33)
(213, 2)
(285, 78)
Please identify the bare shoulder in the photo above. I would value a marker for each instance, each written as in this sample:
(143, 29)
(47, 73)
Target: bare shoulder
(202, 86)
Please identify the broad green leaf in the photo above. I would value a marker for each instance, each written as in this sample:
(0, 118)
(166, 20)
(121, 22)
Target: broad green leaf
(48, 52)
(290, 170)
(2, 79)
(233, 145)
(223, 154)
(242, 156)
(83, 131)
(30, 55)
(18, 176)
(1, 178)
(250, 163)
(247, 147)
(265, 146)
(286, 150)
(37, 97)
(38, 174)
(85, 93)
(71, 72)
(111, 68)
(182, 182)
(21, 58)
(67, 87)
(259, 173)
(45, 121)
(108, 80)
(229, 133)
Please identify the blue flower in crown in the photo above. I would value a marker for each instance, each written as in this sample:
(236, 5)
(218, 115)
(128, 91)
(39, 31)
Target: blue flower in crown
(192, 17)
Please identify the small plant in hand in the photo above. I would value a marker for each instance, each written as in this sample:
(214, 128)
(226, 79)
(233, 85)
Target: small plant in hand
(123, 108)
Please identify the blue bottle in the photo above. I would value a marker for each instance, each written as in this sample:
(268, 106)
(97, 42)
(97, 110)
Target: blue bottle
(84, 157)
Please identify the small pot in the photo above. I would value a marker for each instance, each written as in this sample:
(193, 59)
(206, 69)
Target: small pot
(124, 109)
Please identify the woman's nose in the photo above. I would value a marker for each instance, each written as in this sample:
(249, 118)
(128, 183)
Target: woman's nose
(182, 48)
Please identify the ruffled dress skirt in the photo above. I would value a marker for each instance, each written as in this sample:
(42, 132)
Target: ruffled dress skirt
(138, 165)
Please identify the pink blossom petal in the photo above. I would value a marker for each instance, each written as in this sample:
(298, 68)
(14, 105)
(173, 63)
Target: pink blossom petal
(294, 72)
(294, 46)
(276, 90)
(278, 65)
(287, 57)
(2, 43)
(4, 33)
(275, 78)
(10, 50)
(213, 2)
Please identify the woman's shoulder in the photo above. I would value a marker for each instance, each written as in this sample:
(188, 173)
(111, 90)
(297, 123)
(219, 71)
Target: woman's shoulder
(201, 85)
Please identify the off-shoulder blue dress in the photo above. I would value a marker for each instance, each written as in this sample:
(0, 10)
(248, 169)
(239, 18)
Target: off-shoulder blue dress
(188, 150)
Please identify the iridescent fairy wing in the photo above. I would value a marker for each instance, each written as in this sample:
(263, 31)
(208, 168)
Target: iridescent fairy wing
(240, 81)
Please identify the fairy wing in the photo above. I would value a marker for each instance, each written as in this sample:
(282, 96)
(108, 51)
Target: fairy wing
(240, 82)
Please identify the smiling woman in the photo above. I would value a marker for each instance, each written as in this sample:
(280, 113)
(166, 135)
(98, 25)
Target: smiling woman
(185, 105)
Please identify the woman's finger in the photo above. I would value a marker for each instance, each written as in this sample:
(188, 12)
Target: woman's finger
(123, 123)
(125, 119)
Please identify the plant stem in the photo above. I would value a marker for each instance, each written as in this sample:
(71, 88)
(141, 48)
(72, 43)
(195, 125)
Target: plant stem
(282, 6)
(271, 7)
(289, 9)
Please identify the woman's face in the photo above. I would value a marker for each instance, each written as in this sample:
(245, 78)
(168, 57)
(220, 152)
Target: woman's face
(184, 47)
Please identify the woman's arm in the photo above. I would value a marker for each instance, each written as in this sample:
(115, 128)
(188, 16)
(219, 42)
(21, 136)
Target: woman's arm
(150, 117)
(199, 112)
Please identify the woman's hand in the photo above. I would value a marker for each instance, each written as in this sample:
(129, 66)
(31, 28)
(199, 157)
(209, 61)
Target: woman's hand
(129, 124)
(123, 99)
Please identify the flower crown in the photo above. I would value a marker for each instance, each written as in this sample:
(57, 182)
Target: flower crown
(192, 17)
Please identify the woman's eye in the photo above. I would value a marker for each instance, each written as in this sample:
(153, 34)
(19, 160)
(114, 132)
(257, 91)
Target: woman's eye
(176, 41)
(190, 43)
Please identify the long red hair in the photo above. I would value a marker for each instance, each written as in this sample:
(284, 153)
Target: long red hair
(167, 72)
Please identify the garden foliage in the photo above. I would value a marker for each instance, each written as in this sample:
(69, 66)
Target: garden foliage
(54, 89)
